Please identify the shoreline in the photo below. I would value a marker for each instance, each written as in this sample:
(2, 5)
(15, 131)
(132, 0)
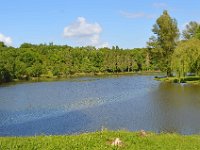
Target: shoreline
(104, 140)
(44, 78)
(188, 79)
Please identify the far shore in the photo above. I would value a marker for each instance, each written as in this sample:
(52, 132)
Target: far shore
(186, 79)
(44, 78)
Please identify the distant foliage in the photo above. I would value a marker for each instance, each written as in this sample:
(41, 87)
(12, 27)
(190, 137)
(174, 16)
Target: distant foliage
(30, 60)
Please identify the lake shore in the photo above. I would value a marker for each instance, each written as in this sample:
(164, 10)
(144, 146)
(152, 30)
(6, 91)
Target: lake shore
(103, 140)
(44, 78)
(187, 79)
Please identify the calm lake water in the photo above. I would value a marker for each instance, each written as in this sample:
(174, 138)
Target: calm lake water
(88, 104)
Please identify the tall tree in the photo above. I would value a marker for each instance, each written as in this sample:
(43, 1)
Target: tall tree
(191, 30)
(167, 34)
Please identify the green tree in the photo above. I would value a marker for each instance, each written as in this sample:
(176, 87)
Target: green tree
(167, 34)
(186, 57)
(192, 28)
(197, 35)
(30, 61)
(2, 44)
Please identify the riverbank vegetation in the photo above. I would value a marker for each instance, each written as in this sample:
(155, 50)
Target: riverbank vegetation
(186, 79)
(103, 140)
(165, 52)
(177, 57)
(51, 61)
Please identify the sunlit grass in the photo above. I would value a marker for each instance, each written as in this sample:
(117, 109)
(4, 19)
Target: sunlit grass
(187, 79)
(101, 140)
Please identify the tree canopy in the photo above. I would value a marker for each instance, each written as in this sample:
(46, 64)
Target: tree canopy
(164, 43)
(192, 30)
(186, 57)
(29, 61)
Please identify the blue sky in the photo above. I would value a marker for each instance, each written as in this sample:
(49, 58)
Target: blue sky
(126, 23)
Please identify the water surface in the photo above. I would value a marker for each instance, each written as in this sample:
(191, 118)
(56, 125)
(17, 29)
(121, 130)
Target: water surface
(88, 104)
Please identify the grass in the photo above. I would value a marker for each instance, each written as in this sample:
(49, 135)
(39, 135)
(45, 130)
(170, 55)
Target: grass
(101, 140)
(187, 79)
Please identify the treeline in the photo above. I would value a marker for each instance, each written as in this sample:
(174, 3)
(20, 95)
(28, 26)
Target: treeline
(175, 53)
(165, 51)
(31, 60)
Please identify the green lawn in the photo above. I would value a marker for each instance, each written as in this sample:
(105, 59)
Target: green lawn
(101, 140)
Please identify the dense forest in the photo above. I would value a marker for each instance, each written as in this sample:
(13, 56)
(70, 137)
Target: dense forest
(50, 60)
(165, 51)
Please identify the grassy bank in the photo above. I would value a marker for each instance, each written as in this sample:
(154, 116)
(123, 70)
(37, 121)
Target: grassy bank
(187, 79)
(78, 75)
(102, 140)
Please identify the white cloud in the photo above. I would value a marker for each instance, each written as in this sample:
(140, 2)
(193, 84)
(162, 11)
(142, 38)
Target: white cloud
(7, 40)
(81, 28)
(105, 44)
(136, 15)
(159, 5)
(84, 33)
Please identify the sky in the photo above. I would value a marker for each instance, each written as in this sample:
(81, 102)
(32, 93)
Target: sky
(99, 23)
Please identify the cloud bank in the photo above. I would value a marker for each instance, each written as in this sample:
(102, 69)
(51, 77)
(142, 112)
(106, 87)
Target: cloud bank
(84, 33)
(7, 40)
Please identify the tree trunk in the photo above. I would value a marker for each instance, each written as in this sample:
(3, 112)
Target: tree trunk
(169, 72)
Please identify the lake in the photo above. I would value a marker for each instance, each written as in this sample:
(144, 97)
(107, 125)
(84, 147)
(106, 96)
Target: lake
(92, 103)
